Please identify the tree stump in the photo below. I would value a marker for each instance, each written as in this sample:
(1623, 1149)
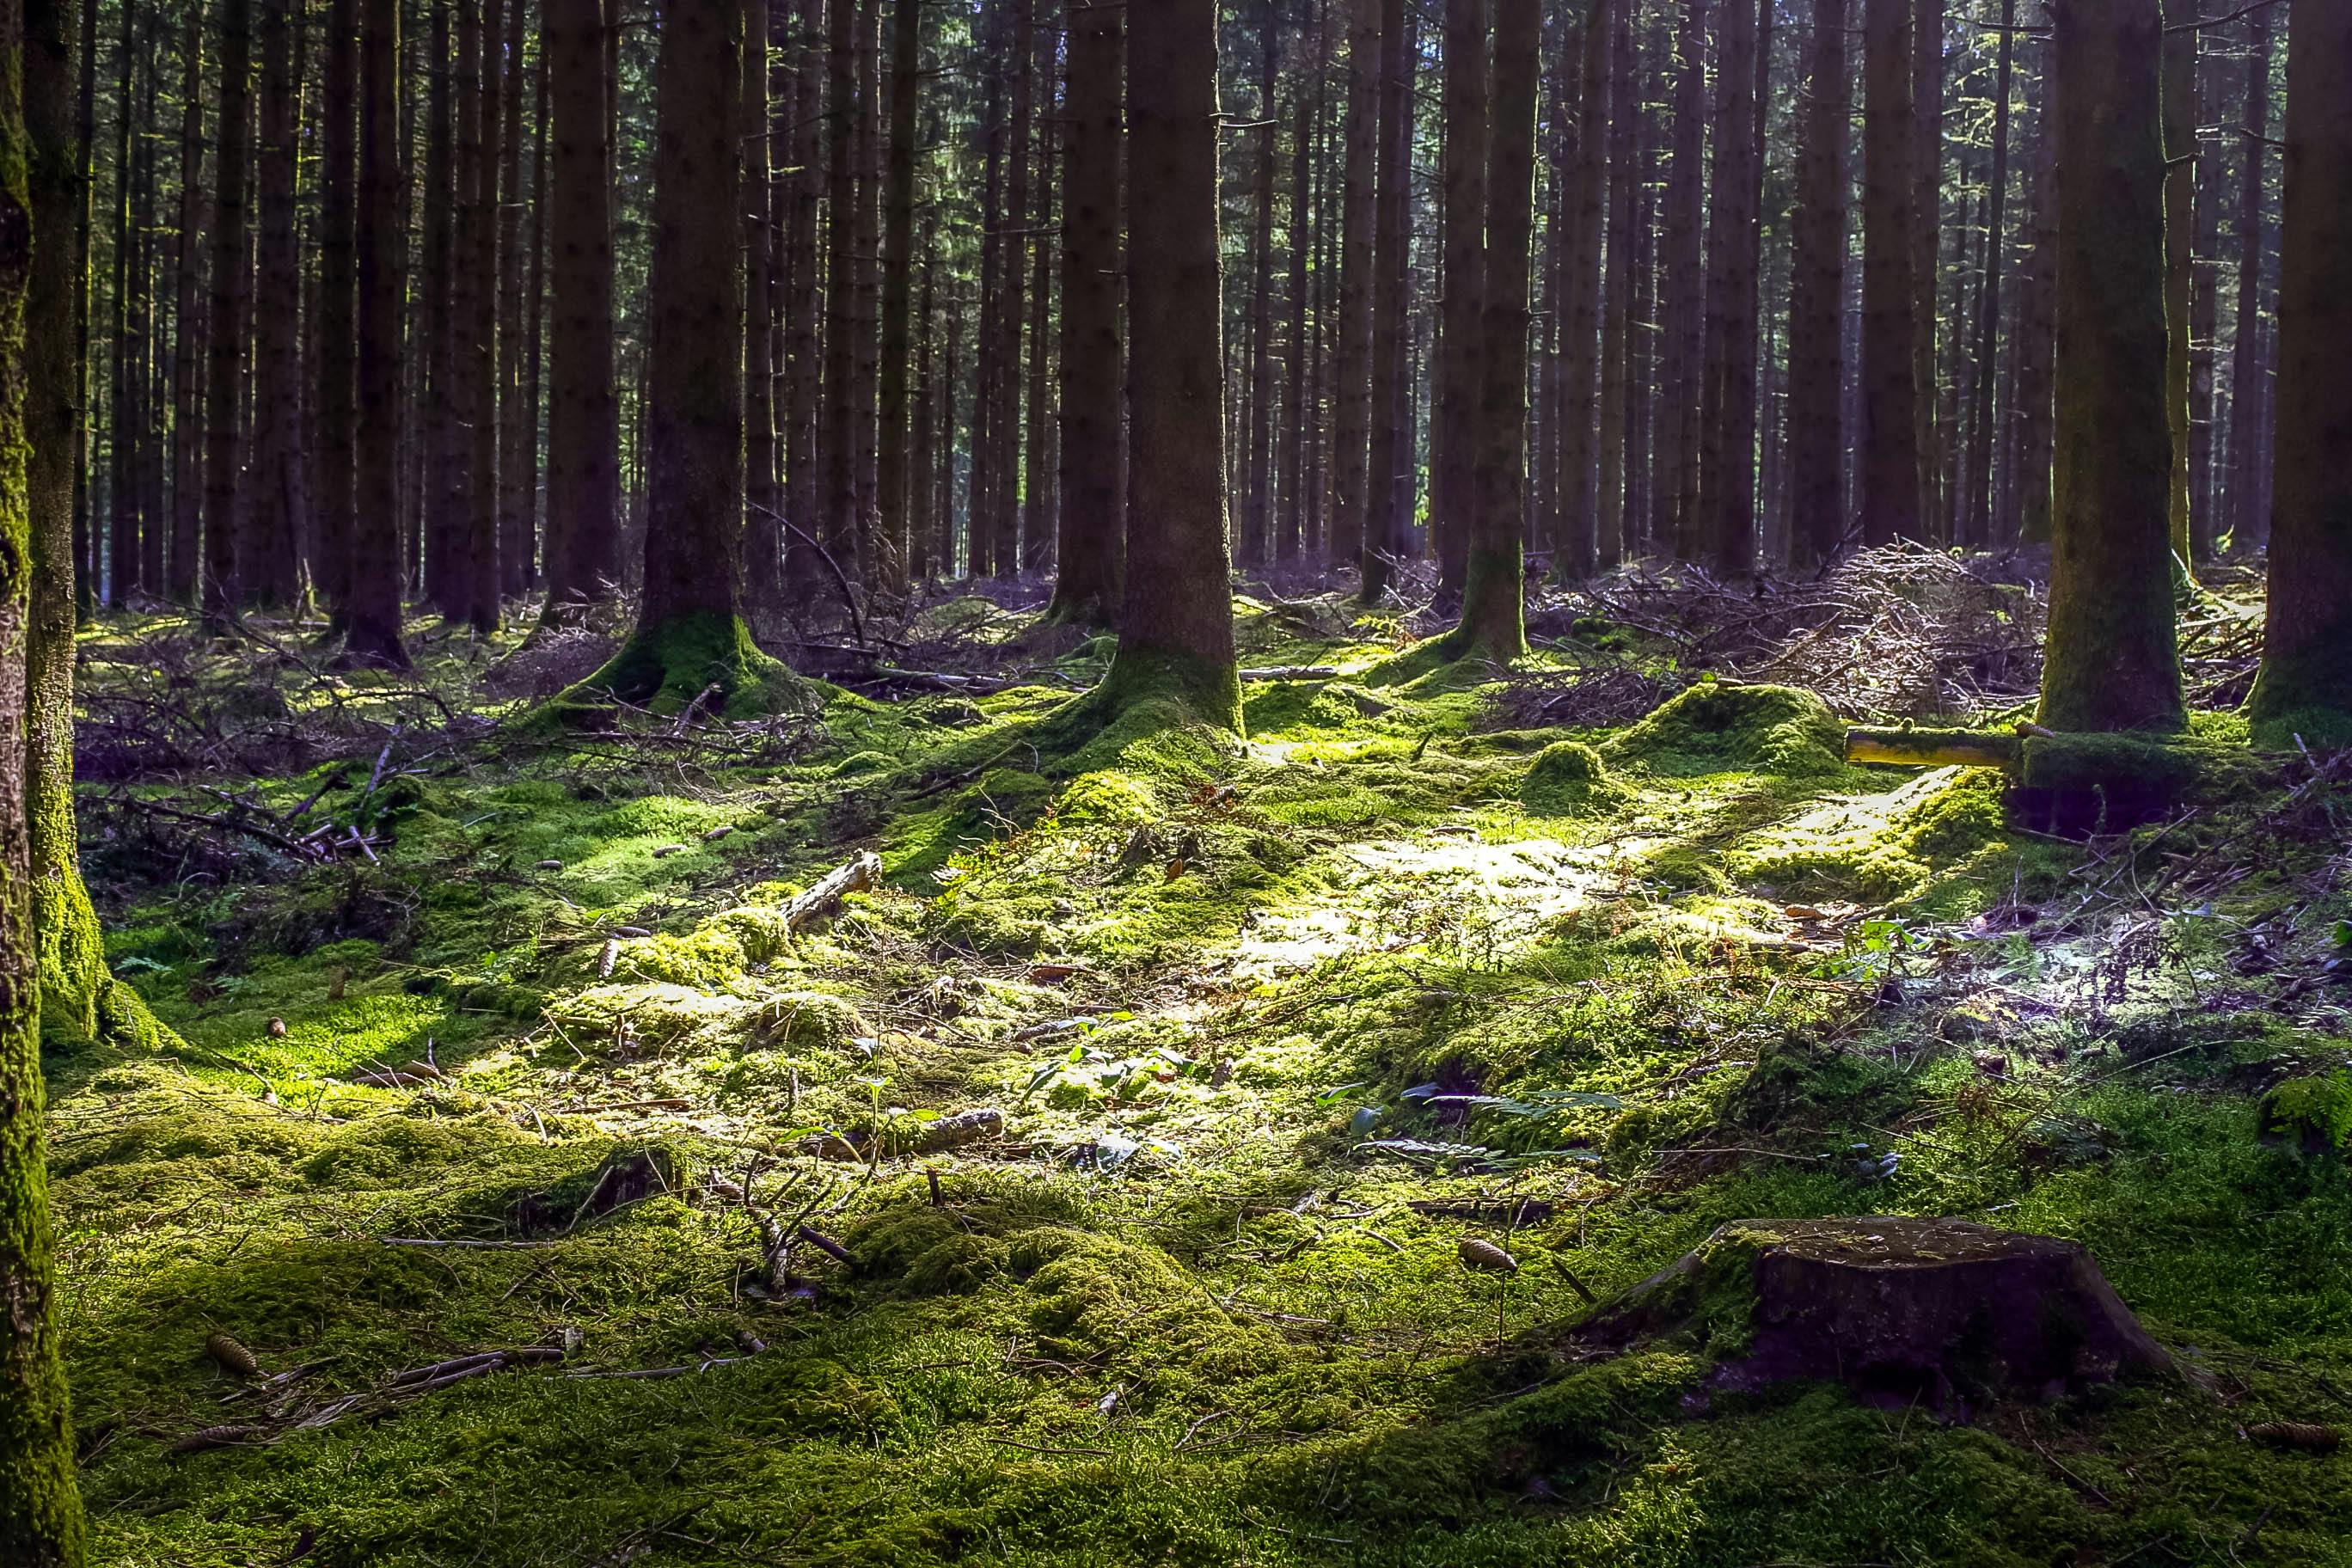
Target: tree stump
(1940, 1313)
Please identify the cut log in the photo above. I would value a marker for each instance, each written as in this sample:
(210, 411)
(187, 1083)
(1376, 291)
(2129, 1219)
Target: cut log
(859, 876)
(1932, 748)
(1943, 1312)
(1292, 672)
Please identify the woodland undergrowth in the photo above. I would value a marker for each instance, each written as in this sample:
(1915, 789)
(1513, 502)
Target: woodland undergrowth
(1086, 1177)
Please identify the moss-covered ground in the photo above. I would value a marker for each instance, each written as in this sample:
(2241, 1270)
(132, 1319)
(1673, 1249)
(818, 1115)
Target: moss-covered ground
(1274, 1026)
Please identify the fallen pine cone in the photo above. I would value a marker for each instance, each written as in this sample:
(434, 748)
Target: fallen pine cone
(2297, 1434)
(1486, 1254)
(232, 1356)
(212, 1437)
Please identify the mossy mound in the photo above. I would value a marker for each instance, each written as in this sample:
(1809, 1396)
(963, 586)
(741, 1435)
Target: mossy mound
(1714, 728)
(1568, 779)
(1881, 846)
(696, 658)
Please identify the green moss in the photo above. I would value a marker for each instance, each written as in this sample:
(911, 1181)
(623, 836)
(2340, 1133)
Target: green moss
(1568, 779)
(664, 667)
(1895, 845)
(1712, 727)
(2310, 1115)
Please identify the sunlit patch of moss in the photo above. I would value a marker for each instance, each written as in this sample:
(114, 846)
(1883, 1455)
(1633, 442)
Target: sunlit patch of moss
(1892, 845)
(1568, 778)
(1713, 726)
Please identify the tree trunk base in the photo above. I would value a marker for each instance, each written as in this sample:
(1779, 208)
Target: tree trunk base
(700, 663)
(1940, 1313)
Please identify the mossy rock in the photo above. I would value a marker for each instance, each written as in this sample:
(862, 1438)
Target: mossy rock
(1716, 728)
(2311, 1115)
(807, 1020)
(1943, 1312)
(1568, 779)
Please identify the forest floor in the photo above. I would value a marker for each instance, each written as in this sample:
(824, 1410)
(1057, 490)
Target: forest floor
(1559, 961)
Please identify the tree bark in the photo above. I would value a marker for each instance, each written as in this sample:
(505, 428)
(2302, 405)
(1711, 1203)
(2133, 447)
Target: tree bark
(517, 549)
(1461, 379)
(2180, 252)
(1816, 438)
(1257, 423)
(584, 435)
(2038, 320)
(122, 497)
(1038, 523)
(1682, 295)
(231, 234)
(2111, 660)
(1617, 319)
(1494, 595)
(1176, 636)
(1976, 528)
(1352, 374)
(1728, 467)
(2305, 685)
(371, 617)
(1579, 304)
(898, 284)
(268, 552)
(1925, 219)
(477, 351)
(40, 1513)
(1094, 504)
(762, 242)
(2250, 455)
(1892, 485)
(803, 305)
(1386, 512)
(187, 400)
(334, 491)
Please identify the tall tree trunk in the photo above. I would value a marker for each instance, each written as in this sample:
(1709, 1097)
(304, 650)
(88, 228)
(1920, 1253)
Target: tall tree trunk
(1386, 514)
(583, 432)
(1681, 304)
(1093, 517)
(1009, 327)
(2111, 660)
(803, 305)
(1617, 319)
(1038, 524)
(123, 499)
(867, 316)
(477, 356)
(2304, 688)
(1728, 452)
(1258, 426)
(1176, 636)
(517, 549)
(2037, 314)
(1290, 435)
(2204, 328)
(2250, 455)
(231, 235)
(372, 616)
(1461, 379)
(534, 290)
(1492, 602)
(1976, 528)
(837, 425)
(335, 492)
(1816, 438)
(85, 543)
(267, 552)
(1892, 487)
(1580, 300)
(922, 460)
(763, 587)
(187, 400)
(897, 283)
(2180, 251)
(1351, 373)
(443, 496)
(40, 1515)
(1925, 219)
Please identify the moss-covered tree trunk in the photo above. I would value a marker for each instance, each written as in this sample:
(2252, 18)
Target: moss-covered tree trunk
(2113, 658)
(1093, 545)
(1176, 636)
(2305, 685)
(371, 617)
(691, 635)
(40, 1514)
(1493, 623)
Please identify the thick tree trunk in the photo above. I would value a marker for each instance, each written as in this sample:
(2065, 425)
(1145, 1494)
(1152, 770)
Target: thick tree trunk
(334, 493)
(1176, 636)
(1892, 491)
(267, 552)
(1094, 503)
(187, 400)
(122, 500)
(1493, 601)
(518, 550)
(1925, 219)
(1386, 513)
(1579, 301)
(231, 234)
(1257, 423)
(1816, 436)
(866, 365)
(477, 355)
(2249, 454)
(1727, 453)
(441, 487)
(1617, 319)
(803, 305)
(2305, 685)
(761, 566)
(2111, 660)
(1352, 399)
(1039, 524)
(583, 434)
(1461, 379)
(40, 1514)
(380, 237)
(838, 424)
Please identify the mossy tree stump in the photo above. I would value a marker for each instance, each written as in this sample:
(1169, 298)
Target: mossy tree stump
(1943, 1312)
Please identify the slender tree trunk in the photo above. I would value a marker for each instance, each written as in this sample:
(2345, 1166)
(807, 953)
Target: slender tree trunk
(763, 587)
(1816, 438)
(838, 424)
(988, 368)
(2111, 660)
(2180, 252)
(1924, 219)
(442, 490)
(898, 282)
(335, 493)
(1094, 519)
(1617, 319)
(517, 548)
(923, 461)
(1493, 601)
(1351, 360)
(1391, 459)
(1977, 520)
(1011, 322)
(1892, 487)
(231, 235)
(1290, 435)
(584, 435)
(1461, 379)
(1681, 293)
(478, 354)
(2250, 455)
(2305, 690)
(85, 542)
(188, 402)
(1038, 523)
(804, 309)
(1176, 636)
(1258, 426)
(123, 499)
(1580, 304)
(1728, 452)
(268, 552)
(866, 247)
(2038, 319)
(534, 290)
